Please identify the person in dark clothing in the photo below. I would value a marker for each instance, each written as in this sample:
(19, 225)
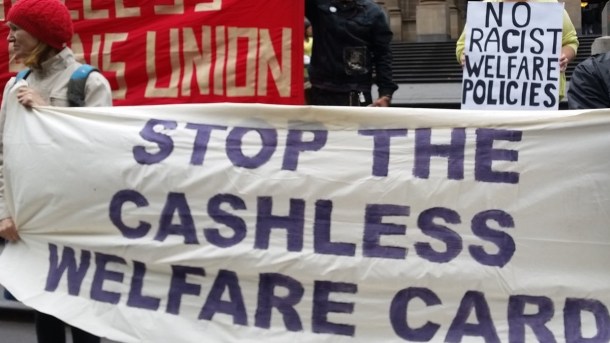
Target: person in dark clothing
(52, 330)
(590, 83)
(351, 52)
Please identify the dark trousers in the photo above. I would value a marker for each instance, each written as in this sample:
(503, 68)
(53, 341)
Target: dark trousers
(324, 97)
(52, 330)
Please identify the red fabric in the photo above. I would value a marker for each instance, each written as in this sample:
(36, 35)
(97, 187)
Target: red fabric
(149, 50)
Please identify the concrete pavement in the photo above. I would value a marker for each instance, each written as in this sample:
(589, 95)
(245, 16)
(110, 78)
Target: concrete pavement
(428, 93)
(17, 323)
(21, 330)
(444, 95)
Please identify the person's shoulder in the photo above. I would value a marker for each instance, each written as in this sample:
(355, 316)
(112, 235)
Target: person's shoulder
(368, 3)
(96, 75)
(593, 65)
(10, 83)
(603, 59)
(371, 6)
(92, 75)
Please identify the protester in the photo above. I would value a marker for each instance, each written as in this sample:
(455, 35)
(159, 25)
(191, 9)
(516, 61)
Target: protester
(352, 43)
(587, 19)
(307, 47)
(569, 44)
(590, 83)
(39, 31)
(307, 39)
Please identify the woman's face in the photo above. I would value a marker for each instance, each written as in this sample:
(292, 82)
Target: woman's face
(23, 42)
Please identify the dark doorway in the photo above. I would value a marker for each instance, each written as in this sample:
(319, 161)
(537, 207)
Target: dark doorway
(591, 14)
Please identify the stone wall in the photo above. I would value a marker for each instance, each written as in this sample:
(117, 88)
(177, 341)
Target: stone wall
(440, 20)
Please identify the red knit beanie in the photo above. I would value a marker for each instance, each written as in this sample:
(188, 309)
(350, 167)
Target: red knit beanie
(47, 20)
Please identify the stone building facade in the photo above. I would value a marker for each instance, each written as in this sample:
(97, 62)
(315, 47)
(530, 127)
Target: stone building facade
(440, 20)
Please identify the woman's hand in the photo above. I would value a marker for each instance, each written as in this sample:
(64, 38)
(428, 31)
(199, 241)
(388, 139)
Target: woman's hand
(563, 63)
(8, 230)
(567, 55)
(29, 97)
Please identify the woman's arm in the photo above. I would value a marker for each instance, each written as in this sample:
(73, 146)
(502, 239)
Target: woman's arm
(569, 42)
(97, 91)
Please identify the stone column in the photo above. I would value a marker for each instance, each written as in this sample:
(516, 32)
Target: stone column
(394, 12)
(605, 21)
(574, 10)
(457, 21)
(433, 21)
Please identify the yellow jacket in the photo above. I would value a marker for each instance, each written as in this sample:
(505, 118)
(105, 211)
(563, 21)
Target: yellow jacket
(569, 37)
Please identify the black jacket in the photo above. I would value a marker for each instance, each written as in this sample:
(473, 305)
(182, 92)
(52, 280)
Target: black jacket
(590, 83)
(350, 41)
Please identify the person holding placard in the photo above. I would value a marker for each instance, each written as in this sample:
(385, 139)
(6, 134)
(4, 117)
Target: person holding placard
(307, 47)
(39, 31)
(569, 43)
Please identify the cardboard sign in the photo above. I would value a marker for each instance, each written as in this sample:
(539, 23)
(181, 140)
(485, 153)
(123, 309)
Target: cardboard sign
(512, 56)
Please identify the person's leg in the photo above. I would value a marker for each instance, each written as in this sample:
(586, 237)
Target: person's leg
(322, 97)
(80, 336)
(49, 329)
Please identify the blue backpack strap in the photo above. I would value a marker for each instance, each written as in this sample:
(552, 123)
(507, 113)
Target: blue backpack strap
(76, 85)
(21, 75)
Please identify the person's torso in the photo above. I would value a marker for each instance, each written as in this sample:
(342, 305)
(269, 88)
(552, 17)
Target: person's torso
(51, 83)
(343, 37)
(345, 26)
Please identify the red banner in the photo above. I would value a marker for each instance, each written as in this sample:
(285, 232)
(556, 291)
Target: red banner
(188, 51)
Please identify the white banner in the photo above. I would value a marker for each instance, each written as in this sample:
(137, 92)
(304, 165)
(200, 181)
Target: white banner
(249, 223)
(512, 56)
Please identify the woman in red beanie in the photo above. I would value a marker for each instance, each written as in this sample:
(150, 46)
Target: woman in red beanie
(39, 33)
